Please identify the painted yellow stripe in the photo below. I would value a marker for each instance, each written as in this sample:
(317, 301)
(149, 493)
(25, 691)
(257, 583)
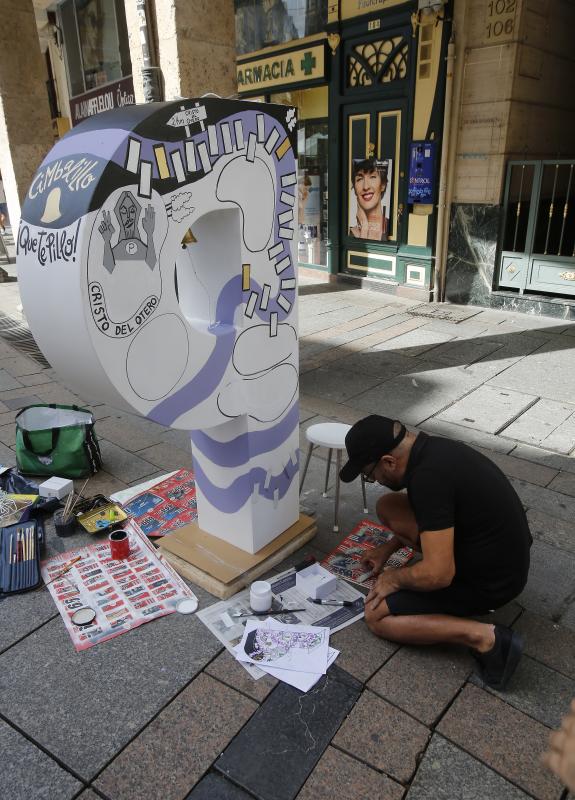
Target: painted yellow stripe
(161, 161)
(282, 149)
(245, 277)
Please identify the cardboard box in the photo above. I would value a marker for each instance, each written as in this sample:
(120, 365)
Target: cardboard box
(56, 487)
(316, 582)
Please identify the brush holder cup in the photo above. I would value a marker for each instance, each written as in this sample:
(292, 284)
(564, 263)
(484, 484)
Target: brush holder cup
(65, 526)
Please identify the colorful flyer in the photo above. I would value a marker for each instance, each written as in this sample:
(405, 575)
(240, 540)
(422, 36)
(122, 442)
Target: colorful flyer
(119, 594)
(165, 506)
(345, 560)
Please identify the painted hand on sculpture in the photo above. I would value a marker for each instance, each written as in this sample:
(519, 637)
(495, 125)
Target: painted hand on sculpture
(106, 228)
(560, 758)
(149, 221)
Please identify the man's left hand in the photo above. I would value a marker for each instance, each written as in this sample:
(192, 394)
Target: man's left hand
(383, 586)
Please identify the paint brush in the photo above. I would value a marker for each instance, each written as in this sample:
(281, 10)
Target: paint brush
(79, 495)
(18, 559)
(8, 572)
(67, 566)
(29, 568)
(33, 555)
(67, 506)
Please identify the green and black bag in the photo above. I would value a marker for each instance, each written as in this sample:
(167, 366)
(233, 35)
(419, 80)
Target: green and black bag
(57, 440)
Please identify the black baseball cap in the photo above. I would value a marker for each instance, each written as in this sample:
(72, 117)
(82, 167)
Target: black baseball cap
(367, 441)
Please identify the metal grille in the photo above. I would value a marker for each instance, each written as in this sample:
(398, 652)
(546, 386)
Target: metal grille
(540, 209)
(378, 62)
(18, 334)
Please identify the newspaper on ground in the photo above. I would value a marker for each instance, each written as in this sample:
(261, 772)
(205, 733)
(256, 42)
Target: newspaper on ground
(345, 560)
(169, 504)
(122, 594)
(303, 681)
(227, 618)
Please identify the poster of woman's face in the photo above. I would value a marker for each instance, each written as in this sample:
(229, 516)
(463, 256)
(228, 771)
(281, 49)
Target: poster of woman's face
(370, 199)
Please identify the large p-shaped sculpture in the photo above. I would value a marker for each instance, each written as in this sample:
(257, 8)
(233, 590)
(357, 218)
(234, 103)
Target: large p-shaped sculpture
(157, 271)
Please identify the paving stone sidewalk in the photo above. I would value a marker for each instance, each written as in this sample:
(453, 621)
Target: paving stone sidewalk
(164, 712)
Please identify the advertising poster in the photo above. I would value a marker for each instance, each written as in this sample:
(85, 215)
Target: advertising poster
(165, 506)
(345, 560)
(421, 171)
(370, 199)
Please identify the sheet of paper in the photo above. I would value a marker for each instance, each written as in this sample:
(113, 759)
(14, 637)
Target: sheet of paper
(302, 648)
(303, 681)
(124, 495)
(224, 621)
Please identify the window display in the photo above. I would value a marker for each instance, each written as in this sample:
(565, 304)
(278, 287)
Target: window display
(264, 23)
(312, 171)
(95, 41)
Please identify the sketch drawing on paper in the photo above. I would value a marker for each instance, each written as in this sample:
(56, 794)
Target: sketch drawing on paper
(179, 220)
(270, 645)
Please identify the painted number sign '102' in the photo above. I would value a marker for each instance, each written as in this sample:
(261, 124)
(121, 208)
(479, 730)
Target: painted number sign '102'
(500, 19)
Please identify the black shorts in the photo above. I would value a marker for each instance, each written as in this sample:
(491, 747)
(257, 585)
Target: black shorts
(457, 600)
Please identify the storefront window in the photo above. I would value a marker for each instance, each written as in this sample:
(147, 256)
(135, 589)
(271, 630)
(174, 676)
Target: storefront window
(264, 23)
(95, 41)
(312, 171)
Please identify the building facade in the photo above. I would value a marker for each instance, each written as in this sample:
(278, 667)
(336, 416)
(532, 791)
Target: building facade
(460, 112)
(435, 140)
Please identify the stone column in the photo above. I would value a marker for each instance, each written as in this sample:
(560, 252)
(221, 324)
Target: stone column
(196, 44)
(140, 22)
(25, 126)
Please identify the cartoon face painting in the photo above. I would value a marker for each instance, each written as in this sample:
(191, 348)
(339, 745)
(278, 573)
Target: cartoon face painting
(129, 246)
(172, 245)
(127, 211)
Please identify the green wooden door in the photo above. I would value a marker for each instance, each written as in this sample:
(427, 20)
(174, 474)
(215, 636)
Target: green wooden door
(373, 187)
(371, 112)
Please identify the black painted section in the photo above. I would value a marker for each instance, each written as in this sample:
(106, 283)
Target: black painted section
(473, 234)
(281, 744)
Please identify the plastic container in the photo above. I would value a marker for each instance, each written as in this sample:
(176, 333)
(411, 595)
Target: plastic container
(260, 596)
(65, 526)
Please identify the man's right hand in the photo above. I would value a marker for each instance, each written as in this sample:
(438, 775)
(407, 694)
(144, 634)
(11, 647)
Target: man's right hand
(376, 559)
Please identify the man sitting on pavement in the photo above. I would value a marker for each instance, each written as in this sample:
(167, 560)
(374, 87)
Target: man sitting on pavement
(464, 516)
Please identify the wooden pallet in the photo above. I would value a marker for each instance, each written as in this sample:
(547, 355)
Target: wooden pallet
(221, 568)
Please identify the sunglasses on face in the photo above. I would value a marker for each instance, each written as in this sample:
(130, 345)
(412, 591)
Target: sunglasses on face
(368, 477)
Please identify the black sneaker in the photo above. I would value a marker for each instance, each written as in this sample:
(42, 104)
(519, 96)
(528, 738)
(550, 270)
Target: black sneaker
(499, 663)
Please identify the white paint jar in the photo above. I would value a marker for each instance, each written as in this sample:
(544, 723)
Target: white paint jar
(260, 596)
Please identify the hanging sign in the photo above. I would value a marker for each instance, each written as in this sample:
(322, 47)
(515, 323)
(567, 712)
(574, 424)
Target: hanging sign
(296, 66)
(104, 98)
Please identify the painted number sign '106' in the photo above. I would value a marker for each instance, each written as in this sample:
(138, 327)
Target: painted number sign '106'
(500, 19)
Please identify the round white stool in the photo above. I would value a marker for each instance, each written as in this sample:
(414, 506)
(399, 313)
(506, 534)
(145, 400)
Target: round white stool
(332, 436)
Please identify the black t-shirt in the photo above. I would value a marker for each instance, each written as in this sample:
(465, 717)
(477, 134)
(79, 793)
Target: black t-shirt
(451, 485)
